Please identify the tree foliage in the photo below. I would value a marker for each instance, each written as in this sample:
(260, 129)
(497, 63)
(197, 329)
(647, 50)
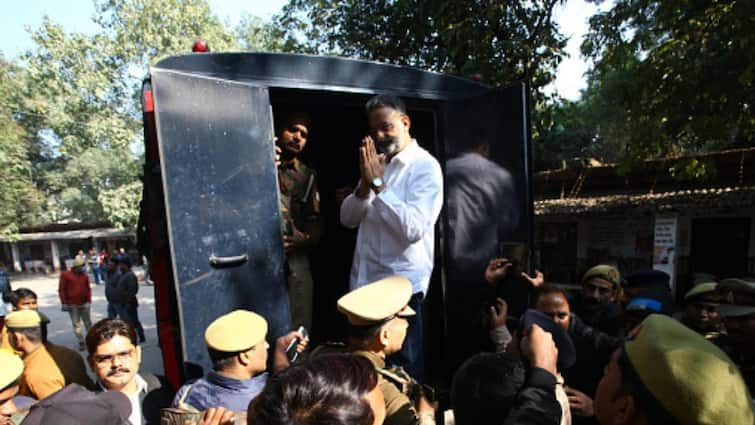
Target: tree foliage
(18, 197)
(501, 41)
(74, 131)
(672, 76)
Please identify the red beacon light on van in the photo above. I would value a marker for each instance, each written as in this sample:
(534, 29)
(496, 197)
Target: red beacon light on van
(200, 46)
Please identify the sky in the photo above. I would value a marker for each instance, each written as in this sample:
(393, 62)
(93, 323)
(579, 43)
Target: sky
(76, 16)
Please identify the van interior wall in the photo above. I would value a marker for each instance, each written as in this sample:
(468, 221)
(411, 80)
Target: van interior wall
(338, 125)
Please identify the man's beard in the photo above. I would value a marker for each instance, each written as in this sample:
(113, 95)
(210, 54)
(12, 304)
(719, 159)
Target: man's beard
(388, 146)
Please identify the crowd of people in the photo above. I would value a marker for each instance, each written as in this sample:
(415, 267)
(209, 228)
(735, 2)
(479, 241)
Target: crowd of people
(617, 351)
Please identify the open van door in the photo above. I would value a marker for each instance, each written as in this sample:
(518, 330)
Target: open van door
(219, 178)
(488, 206)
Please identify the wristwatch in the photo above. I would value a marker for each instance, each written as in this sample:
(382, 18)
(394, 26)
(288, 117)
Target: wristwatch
(376, 183)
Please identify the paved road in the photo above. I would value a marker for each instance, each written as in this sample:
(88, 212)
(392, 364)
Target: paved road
(60, 330)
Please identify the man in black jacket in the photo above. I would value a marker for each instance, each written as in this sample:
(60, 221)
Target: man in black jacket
(128, 287)
(112, 293)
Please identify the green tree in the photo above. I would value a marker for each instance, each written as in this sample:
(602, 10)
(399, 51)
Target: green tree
(501, 41)
(672, 76)
(21, 201)
(81, 102)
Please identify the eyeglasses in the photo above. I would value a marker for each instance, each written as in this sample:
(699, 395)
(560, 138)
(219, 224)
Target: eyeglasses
(123, 356)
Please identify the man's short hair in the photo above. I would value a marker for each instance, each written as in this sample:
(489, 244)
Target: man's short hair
(284, 119)
(34, 335)
(547, 289)
(107, 329)
(222, 359)
(385, 101)
(484, 388)
(21, 293)
(365, 334)
(329, 389)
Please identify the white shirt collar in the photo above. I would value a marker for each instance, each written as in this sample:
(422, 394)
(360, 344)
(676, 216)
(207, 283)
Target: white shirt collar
(136, 405)
(408, 153)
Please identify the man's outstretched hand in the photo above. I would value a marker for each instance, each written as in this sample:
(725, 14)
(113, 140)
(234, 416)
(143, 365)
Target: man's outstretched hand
(536, 281)
(497, 269)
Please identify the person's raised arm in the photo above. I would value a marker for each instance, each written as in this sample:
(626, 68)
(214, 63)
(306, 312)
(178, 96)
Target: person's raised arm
(536, 403)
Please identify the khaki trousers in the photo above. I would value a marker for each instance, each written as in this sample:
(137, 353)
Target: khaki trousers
(300, 290)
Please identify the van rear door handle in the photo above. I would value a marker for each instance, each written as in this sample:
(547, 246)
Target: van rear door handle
(226, 262)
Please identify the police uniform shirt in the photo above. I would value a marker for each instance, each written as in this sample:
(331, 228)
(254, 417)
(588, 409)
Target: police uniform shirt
(41, 376)
(398, 408)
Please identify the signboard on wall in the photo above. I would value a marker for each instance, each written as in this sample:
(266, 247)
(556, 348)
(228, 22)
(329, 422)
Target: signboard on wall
(664, 246)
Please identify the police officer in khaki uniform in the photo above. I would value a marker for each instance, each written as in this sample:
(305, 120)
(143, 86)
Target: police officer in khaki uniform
(11, 368)
(300, 214)
(41, 376)
(701, 310)
(377, 316)
(738, 311)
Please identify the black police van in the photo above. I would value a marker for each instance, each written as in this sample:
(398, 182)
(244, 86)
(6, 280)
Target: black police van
(210, 220)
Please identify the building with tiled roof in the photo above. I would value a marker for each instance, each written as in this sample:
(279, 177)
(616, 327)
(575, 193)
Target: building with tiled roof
(592, 213)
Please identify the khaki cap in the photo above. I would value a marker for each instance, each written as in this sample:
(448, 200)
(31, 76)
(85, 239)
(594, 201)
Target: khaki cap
(23, 319)
(377, 301)
(11, 367)
(738, 297)
(236, 331)
(690, 377)
(701, 289)
(78, 262)
(605, 272)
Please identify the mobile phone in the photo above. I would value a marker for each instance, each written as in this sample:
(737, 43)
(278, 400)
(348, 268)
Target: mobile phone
(291, 352)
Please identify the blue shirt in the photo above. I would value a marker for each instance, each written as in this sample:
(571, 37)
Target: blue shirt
(216, 390)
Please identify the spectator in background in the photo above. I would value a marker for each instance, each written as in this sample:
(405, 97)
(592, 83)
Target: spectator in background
(334, 389)
(5, 293)
(113, 293)
(93, 260)
(666, 373)
(597, 303)
(645, 303)
(69, 362)
(76, 297)
(635, 283)
(738, 310)
(41, 376)
(80, 255)
(701, 310)
(128, 287)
